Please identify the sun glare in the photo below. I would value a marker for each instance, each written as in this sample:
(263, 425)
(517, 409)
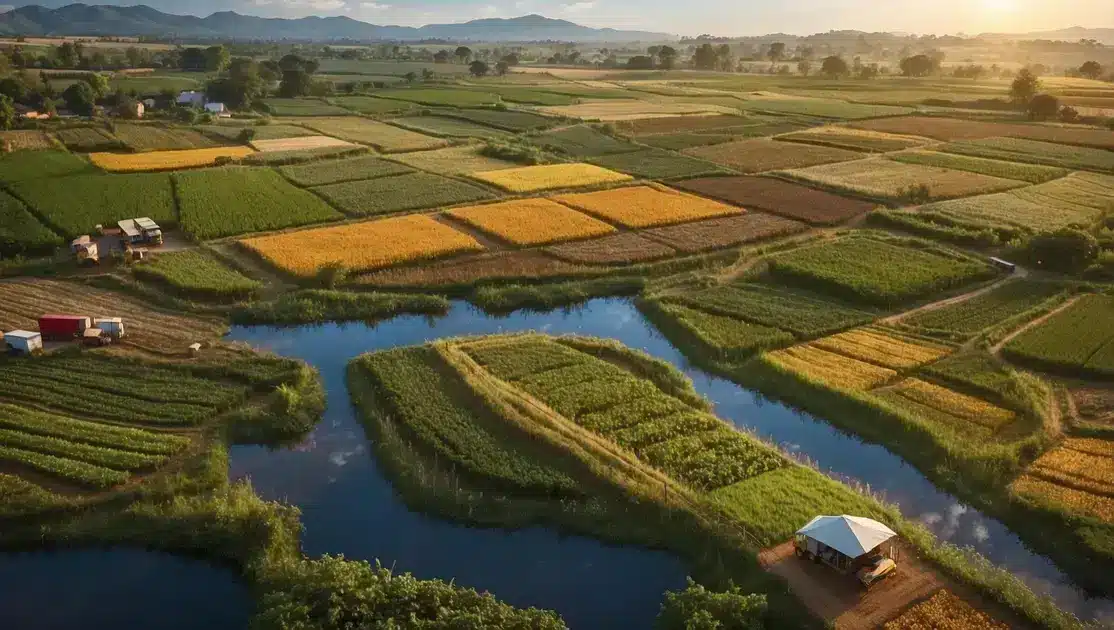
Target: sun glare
(998, 6)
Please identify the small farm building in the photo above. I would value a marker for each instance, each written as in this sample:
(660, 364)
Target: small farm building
(139, 230)
(23, 341)
(841, 540)
(214, 108)
(191, 98)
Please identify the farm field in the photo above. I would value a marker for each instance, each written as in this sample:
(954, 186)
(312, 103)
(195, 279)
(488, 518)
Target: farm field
(1036, 152)
(854, 139)
(337, 150)
(655, 164)
(507, 120)
(262, 198)
(1076, 340)
(166, 160)
(824, 108)
(306, 142)
(450, 127)
(401, 240)
(727, 337)
(880, 178)
(27, 139)
(886, 350)
(144, 137)
(978, 313)
(22, 166)
(333, 171)
(942, 610)
(779, 197)
(440, 97)
(763, 154)
(622, 110)
(947, 406)
(452, 161)
(830, 368)
(581, 142)
(1032, 173)
(105, 199)
(952, 129)
(526, 179)
(1074, 477)
(878, 273)
(232, 132)
(21, 232)
(371, 105)
(382, 136)
(803, 315)
(87, 139)
(624, 248)
(503, 265)
(197, 274)
(644, 206)
(302, 107)
(531, 222)
(409, 191)
(725, 232)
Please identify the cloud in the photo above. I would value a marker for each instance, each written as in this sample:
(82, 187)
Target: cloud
(489, 10)
(374, 6)
(4, 8)
(313, 5)
(578, 7)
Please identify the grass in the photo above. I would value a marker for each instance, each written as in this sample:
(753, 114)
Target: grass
(445, 126)
(146, 137)
(644, 206)
(167, 160)
(1032, 173)
(581, 141)
(971, 316)
(526, 222)
(877, 273)
(20, 232)
(763, 154)
(334, 171)
(880, 178)
(302, 107)
(105, 199)
(779, 197)
(1076, 341)
(403, 192)
(22, 166)
(229, 201)
(452, 161)
(399, 240)
(377, 134)
(655, 164)
(504, 299)
(197, 274)
(314, 306)
(549, 177)
(1035, 152)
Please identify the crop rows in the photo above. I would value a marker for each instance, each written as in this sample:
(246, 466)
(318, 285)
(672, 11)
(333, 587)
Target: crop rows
(450, 127)
(1096, 505)
(853, 139)
(292, 144)
(21, 232)
(87, 139)
(25, 139)
(944, 611)
(879, 178)
(23, 166)
(762, 154)
(531, 221)
(881, 349)
(624, 248)
(1032, 173)
(508, 120)
(644, 206)
(957, 129)
(19, 496)
(834, 370)
(1079, 339)
(194, 273)
(1035, 152)
(166, 160)
(978, 313)
(802, 315)
(463, 160)
(117, 437)
(302, 107)
(97, 455)
(950, 402)
(551, 176)
(334, 171)
(105, 199)
(67, 469)
(384, 137)
(409, 191)
(659, 164)
(780, 197)
(727, 336)
(724, 232)
(139, 137)
(1076, 469)
(681, 441)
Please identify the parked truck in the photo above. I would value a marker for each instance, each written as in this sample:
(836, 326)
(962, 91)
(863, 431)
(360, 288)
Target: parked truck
(63, 327)
(113, 327)
(85, 250)
(141, 231)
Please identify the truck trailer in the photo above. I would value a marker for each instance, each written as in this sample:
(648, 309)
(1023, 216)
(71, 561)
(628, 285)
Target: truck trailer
(63, 327)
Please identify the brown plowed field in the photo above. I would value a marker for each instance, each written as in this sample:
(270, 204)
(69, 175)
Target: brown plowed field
(497, 265)
(763, 154)
(950, 129)
(780, 197)
(725, 232)
(627, 247)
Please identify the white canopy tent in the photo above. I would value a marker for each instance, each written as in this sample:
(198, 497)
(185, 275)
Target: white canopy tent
(852, 536)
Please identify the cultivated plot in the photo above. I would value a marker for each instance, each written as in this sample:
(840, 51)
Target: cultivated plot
(302, 107)
(614, 110)
(655, 164)
(1019, 150)
(802, 314)
(854, 139)
(377, 134)
(880, 178)
(22, 166)
(410, 191)
(978, 313)
(298, 143)
(449, 127)
(105, 199)
(508, 120)
(780, 197)
(509, 265)
(624, 248)
(1032, 173)
(166, 160)
(550, 177)
(762, 154)
(28, 139)
(951, 129)
(149, 137)
(452, 161)
(1078, 340)
(724, 232)
(21, 232)
(531, 221)
(644, 206)
(333, 171)
(582, 142)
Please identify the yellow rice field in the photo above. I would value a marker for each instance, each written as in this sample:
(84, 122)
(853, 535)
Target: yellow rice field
(1094, 446)
(954, 403)
(882, 349)
(550, 176)
(362, 246)
(531, 221)
(834, 370)
(644, 206)
(1096, 505)
(166, 160)
(301, 143)
(944, 611)
(1083, 471)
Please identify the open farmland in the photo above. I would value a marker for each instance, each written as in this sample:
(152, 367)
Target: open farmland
(297, 143)
(87, 139)
(803, 315)
(854, 139)
(621, 110)
(503, 265)
(105, 199)
(970, 316)
(944, 610)
(440, 97)
(137, 137)
(728, 231)
(334, 171)
(22, 166)
(197, 274)
(1035, 152)
(362, 246)
(508, 120)
(528, 179)
(1032, 173)
(377, 134)
(655, 164)
(763, 154)
(886, 350)
(302, 107)
(779, 197)
(681, 124)
(830, 368)
(229, 201)
(452, 161)
(298, 156)
(876, 272)
(531, 222)
(624, 248)
(879, 178)
(166, 160)
(371, 105)
(1065, 497)
(1078, 340)
(952, 129)
(581, 141)
(822, 107)
(26, 139)
(21, 232)
(410, 191)
(1075, 477)
(232, 132)
(725, 336)
(446, 126)
(644, 206)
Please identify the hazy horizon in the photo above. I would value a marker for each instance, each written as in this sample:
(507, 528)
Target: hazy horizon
(802, 17)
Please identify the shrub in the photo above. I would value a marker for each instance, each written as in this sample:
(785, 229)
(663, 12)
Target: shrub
(1067, 250)
(697, 608)
(1043, 107)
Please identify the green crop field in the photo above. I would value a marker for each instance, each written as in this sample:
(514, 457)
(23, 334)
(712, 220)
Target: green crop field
(299, 156)
(804, 315)
(87, 139)
(879, 178)
(1036, 152)
(528, 96)
(450, 127)
(228, 201)
(402, 192)
(824, 108)
(21, 232)
(688, 140)
(762, 154)
(452, 161)
(1078, 340)
(334, 171)
(387, 67)
(655, 164)
(380, 135)
(153, 85)
(230, 132)
(302, 107)
(970, 316)
(1032, 173)
(104, 200)
(853, 139)
(729, 337)
(508, 120)
(440, 97)
(22, 166)
(138, 137)
(372, 105)
(197, 274)
(582, 141)
(875, 272)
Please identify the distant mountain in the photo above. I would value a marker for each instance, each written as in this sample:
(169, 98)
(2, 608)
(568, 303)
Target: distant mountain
(104, 20)
(1075, 33)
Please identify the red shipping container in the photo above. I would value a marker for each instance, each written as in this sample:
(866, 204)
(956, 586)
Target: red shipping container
(63, 326)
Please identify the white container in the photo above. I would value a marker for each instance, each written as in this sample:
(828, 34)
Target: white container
(24, 341)
(112, 326)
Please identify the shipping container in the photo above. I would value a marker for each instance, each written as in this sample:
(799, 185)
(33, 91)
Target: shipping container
(63, 326)
(113, 326)
(23, 341)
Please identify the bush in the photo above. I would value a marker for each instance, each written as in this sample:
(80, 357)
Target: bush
(697, 608)
(1043, 107)
(1067, 250)
(520, 154)
(915, 194)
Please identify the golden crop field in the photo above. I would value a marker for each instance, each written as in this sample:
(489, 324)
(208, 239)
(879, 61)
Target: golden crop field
(944, 611)
(531, 221)
(1083, 471)
(644, 206)
(1096, 505)
(362, 246)
(301, 143)
(165, 160)
(830, 368)
(954, 403)
(1094, 446)
(550, 176)
(877, 347)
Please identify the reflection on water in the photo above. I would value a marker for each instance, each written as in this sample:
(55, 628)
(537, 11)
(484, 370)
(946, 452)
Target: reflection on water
(348, 507)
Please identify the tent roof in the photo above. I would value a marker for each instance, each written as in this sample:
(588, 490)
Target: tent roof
(852, 536)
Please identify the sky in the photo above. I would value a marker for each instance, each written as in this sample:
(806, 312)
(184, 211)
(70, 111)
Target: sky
(688, 17)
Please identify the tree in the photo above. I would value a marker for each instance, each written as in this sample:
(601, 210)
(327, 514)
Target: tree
(1024, 87)
(441, 56)
(410, 76)
(510, 60)
(704, 57)
(501, 67)
(48, 107)
(240, 88)
(192, 60)
(724, 61)
(7, 112)
(1091, 70)
(805, 52)
(1043, 107)
(640, 62)
(80, 98)
(834, 67)
(269, 70)
(295, 83)
(13, 88)
(124, 105)
(918, 66)
(804, 66)
(478, 68)
(776, 52)
(463, 53)
(667, 56)
(68, 55)
(99, 83)
(1069, 114)
(1067, 250)
(697, 608)
(217, 58)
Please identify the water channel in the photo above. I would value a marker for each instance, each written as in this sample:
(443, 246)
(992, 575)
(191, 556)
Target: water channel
(349, 507)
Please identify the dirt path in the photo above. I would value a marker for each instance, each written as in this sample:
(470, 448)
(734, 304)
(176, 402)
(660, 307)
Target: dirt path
(996, 348)
(1019, 275)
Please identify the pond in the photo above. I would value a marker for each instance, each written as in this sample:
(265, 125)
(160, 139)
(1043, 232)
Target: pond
(349, 507)
(119, 588)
